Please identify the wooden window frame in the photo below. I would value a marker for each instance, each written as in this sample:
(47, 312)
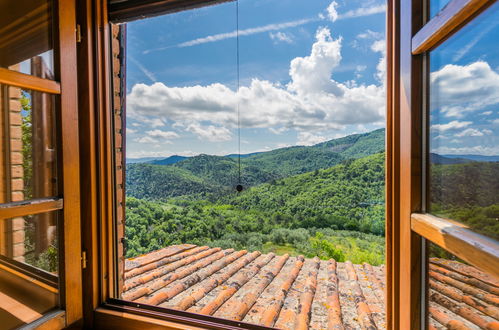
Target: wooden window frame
(410, 37)
(408, 40)
(65, 86)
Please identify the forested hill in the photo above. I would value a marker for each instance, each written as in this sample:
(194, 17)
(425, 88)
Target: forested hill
(301, 214)
(349, 196)
(205, 174)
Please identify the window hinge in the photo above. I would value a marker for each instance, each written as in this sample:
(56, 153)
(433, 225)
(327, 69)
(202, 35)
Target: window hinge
(78, 33)
(83, 259)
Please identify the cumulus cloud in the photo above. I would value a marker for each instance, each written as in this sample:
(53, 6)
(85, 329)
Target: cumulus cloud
(210, 132)
(146, 140)
(470, 132)
(455, 124)
(130, 130)
(309, 139)
(458, 90)
(332, 13)
(312, 100)
(162, 134)
(369, 34)
(474, 150)
(281, 37)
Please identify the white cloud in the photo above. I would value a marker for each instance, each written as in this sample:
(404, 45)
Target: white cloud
(332, 13)
(450, 126)
(487, 132)
(130, 131)
(486, 113)
(474, 150)
(364, 11)
(162, 134)
(308, 139)
(379, 46)
(460, 89)
(148, 153)
(210, 132)
(312, 100)
(469, 132)
(370, 35)
(146, 139)
(495, 121)
(281, 37)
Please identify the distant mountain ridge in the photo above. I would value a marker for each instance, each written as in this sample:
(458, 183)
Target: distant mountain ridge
(205, 174)
(478, 158)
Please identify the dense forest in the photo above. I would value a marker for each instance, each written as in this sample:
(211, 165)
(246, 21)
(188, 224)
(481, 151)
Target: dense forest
(325, 200)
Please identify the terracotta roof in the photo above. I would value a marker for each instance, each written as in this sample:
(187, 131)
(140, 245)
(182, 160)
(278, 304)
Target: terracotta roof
(297, 293)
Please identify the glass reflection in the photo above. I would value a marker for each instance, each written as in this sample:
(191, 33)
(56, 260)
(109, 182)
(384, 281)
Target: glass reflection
(464, 120)
(26, 36)
(460, 296)
(436, 6)
(27, 292)
(29, 146)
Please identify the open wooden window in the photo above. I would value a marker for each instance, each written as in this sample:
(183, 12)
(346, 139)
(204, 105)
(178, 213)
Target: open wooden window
(40, 260)
(443, 201)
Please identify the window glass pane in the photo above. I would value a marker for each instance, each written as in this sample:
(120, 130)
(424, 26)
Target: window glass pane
(464, 126)
(32, 240)
(28, 268)
(26, 36)
(436, 6)
(28, 158)
(460, 296)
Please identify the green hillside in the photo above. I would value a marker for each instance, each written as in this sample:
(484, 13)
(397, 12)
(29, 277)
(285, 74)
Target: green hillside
(347, 196)
(224, 171)
(160, 182)
(203, 174)
(468, 193)
(317, 213)
(357, 145)
(289, 161)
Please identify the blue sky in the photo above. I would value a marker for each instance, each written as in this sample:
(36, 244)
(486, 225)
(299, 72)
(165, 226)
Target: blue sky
(464, 89)
(182, 77)
(310, 71)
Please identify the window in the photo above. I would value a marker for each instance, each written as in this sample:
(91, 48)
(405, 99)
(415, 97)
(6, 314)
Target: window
(39, 273)
(444, 260)
(244, 102)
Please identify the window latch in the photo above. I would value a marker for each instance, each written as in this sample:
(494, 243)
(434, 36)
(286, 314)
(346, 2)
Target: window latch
(83, 259)
(78, 33)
